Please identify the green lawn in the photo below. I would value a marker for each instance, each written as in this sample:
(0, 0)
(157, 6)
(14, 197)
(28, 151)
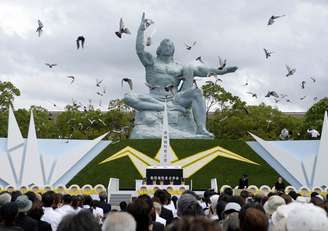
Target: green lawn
(226, 171)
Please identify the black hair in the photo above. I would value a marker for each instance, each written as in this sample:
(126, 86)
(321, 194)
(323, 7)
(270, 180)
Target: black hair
(228, 191)
(123, 206)
(161, 196)
(9, 213)
(140, 210)
(48, 198)
(67, 199)
(14, 195)
(31, 196)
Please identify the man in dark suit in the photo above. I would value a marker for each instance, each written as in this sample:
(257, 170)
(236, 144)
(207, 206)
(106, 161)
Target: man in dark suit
(161, 197)
(22, 220)
(243, 182)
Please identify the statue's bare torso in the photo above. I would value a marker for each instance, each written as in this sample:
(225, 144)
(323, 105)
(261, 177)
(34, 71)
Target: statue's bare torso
(163, 72)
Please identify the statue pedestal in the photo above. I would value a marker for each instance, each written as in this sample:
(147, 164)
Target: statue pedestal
(148, 125)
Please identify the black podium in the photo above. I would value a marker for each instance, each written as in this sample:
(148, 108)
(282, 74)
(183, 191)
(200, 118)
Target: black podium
(164, 175)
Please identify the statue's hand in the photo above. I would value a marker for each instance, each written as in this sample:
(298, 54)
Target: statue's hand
(142, 24)
(231, 69)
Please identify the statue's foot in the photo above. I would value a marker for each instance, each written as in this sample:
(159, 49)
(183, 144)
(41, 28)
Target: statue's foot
(204, 132)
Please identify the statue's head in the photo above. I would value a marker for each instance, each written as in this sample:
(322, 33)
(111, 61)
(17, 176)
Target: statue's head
(166, 48)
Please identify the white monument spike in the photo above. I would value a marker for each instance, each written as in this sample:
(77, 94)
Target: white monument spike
(15, 137)
(320, 165)
(165, 157)
(32, 161)
(15, 146)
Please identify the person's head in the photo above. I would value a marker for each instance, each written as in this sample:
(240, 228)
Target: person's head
(174, 200)
(287, 198)
(161, 196)
(36, 212)
(4, 198)
(231, 222)
(297, 216)
(31, 196)
(140, 210)
(231, 207)
(67, 199)
(279, 179)
(15, 194)
(238, 199)
(245, 176)
(23, 203)
(58, 199)
(207, 194)
(272, 204)
(228, 191)
(123, 206)
(82, 221)
(293, 194)
(119, 221)
(189, 206)
(103, 196)
(48, 199)
(166, 48)
(88, 200)
(253, 219)
(9, 213)
(314, 194)
(244, 194)
(194, 224)
(318, 201)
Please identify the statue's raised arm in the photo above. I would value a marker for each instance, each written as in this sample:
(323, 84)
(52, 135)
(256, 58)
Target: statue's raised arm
(145, 57)
(202, 71)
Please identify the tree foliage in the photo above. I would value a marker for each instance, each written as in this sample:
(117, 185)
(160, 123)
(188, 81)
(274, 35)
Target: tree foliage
(218, 99)
(7, 94)
(314, 116)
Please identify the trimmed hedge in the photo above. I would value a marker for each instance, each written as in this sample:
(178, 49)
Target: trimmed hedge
(227, 171)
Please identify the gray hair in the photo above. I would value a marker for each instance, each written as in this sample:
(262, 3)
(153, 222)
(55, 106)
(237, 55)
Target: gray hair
(119, 221)
(189, 206)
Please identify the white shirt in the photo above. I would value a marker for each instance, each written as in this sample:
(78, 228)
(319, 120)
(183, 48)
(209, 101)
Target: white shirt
(98, 213)
(314, 133)
(172, 208)
(160, 219)
(65, 209)
(52, 217)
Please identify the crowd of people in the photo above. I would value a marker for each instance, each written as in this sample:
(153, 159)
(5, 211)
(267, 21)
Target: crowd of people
(276, 211)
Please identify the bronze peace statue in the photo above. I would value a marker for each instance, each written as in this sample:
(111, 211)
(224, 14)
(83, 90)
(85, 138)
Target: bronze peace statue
(186, 104)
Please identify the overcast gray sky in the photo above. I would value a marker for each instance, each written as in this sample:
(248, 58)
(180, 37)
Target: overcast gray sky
(234, 29)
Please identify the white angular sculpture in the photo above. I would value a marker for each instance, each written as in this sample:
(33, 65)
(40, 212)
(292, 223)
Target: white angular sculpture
(300, 162)
(23, 164)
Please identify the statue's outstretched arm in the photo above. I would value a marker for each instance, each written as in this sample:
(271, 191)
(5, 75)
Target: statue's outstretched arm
(145, 57)
(201, 71)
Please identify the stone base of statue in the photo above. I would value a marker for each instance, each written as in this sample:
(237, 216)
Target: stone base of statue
(148, 125)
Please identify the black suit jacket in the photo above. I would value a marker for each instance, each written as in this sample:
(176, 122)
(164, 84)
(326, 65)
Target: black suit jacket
(26, 222)
(44, 226)
(167, 215)
(158, 226)
(243, 183)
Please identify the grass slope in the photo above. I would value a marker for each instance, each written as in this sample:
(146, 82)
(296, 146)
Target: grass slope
(226, 171)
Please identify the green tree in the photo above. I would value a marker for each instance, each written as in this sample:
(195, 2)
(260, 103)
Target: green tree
(218, 99)
(264, 121)
(8, 91)
(314, 116)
